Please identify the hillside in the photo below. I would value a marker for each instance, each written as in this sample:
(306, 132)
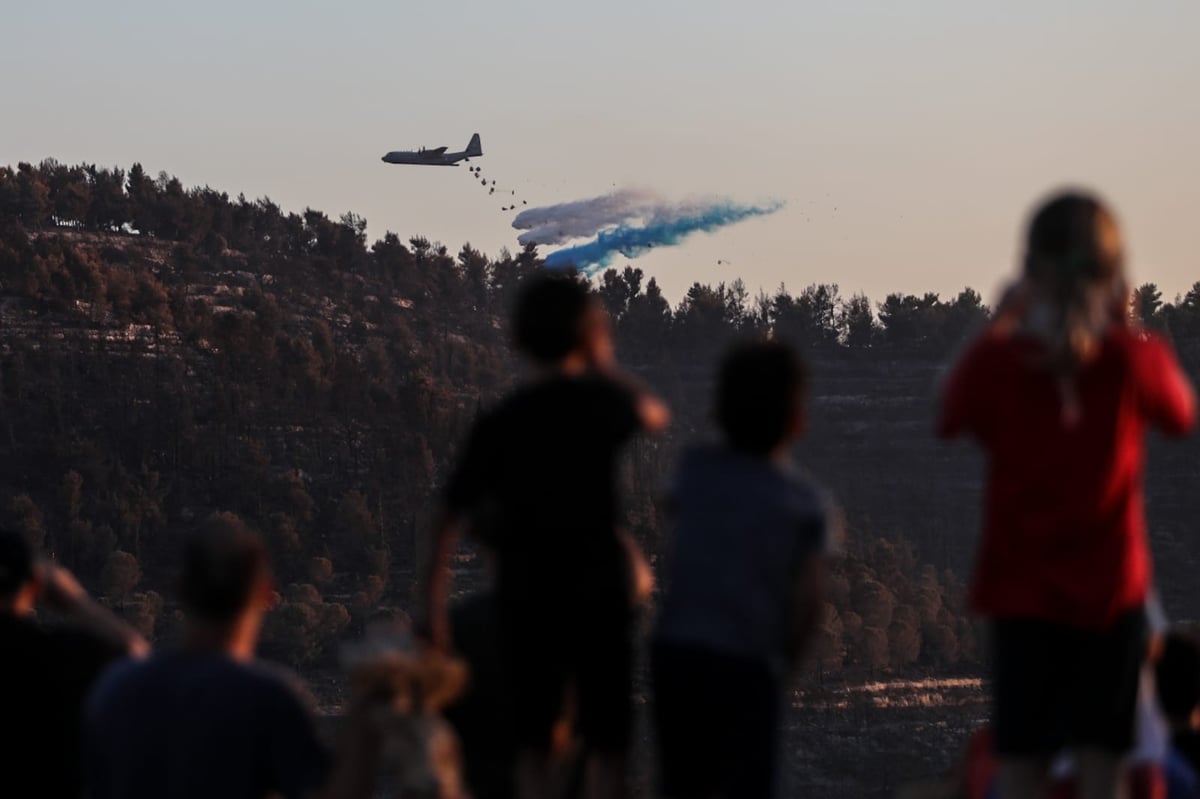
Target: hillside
(168, 352)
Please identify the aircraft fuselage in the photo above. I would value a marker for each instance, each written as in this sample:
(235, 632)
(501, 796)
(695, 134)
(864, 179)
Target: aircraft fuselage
(426, 158)
(434, 156)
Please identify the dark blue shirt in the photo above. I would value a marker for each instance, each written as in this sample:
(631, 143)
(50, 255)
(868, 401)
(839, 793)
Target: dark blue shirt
(1182, 782)
(200, 725)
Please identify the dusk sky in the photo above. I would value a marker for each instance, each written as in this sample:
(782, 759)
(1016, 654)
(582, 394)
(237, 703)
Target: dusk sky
(907, 139)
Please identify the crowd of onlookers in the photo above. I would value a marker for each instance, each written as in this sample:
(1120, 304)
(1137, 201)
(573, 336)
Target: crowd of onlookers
(1093, 696)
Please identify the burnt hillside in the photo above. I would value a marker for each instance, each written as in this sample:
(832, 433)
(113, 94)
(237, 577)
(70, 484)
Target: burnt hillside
(169, 352)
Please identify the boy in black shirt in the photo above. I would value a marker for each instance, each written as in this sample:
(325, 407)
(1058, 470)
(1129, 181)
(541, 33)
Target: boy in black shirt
(536, 481)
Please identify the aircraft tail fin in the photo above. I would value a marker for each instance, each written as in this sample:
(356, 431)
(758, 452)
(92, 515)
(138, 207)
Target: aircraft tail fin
(474, 148)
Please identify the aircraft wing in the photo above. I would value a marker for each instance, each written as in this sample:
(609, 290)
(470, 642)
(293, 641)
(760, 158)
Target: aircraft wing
(436, 150)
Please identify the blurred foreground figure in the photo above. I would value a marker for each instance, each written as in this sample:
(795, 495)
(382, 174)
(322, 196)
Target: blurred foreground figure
(47, 670)
(209, 720)
(1178, 674)
(1059, 392)
(744, 584)
(480, 714)
(537, 482)
(413, 684)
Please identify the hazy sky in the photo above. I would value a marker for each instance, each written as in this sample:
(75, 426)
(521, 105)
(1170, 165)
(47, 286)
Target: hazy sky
(908, 138)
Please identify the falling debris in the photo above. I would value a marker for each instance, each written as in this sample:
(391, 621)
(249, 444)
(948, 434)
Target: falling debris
(493, 186)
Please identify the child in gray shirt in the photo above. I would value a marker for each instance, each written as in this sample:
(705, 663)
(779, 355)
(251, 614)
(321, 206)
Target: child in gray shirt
(744, 582)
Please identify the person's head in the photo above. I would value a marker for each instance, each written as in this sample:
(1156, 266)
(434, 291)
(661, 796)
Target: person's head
(225, 582)
(558, 320)
(1074, 267)
(1178, 676)
(760, 397)
(18, 577)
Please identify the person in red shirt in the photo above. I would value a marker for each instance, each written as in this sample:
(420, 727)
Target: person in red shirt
(1059, 391)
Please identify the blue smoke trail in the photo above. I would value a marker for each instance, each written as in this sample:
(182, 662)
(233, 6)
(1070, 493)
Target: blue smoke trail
(660, 231)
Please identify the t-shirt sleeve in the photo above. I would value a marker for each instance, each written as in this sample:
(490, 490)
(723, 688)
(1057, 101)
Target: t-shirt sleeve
(963, 394)
(469, 480)
(822, 531)
(85, 655)
(297, 761)
(1165, 393)
(833, 528)
(818, 526)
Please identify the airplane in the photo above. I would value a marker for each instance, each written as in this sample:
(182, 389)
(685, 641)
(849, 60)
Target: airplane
(435, 156)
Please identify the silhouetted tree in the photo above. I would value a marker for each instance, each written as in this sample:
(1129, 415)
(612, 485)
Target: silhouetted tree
(121, 575)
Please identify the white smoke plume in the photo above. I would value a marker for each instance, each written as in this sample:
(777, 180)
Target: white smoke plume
(556, 224)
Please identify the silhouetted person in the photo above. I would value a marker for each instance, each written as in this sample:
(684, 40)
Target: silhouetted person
(209, 720)
(1178, 676)
(536, 480)
(47, 670)
(744, 582)
(480, 715)
(1059, 391)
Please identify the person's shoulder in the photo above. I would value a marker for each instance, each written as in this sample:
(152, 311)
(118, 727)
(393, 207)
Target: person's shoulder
(714, 463)
(122, 677)
(702, 456)
(269, 684)
(597, 387)
(1137, 342)
(815, 505)
(1181, 775)
(496, 415)
(805, 491)
(280, 683)
(799, 480)
(533, 397)
(1142, 353)
(992, 345)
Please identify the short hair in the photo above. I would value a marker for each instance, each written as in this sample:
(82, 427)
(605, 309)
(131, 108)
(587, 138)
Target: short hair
(16, 562)
(760, 385)
(549, 318)
(223, 559)
(1178, 676)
